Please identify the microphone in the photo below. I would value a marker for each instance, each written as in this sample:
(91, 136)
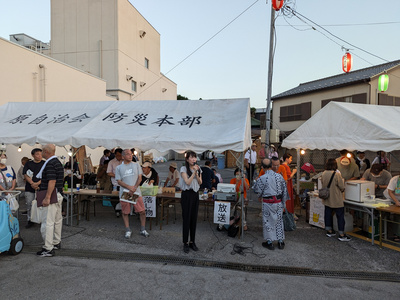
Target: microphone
(198, 171)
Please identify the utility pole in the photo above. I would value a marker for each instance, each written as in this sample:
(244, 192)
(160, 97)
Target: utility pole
(269, 83)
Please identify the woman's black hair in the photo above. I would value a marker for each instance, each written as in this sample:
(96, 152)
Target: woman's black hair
(236, 170)
(331, 164)
(188, 154)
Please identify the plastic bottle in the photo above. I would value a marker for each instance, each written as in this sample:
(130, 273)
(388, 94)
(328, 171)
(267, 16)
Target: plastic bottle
(205, 195)
(98, 187)
(65, 186)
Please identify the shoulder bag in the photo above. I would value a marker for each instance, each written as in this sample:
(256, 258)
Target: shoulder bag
(324, 192)
(288, 221)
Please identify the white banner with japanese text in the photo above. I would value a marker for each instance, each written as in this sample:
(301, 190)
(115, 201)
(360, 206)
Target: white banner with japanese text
(150, 206)
(222, 212)
(160, 125)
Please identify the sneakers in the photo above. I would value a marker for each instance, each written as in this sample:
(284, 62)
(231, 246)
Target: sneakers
(330, 233)
(144, 233)
(57, 247)
(45, 253)
(128, 234)
(344, 238)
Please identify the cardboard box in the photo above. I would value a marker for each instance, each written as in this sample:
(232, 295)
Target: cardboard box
(170, 190)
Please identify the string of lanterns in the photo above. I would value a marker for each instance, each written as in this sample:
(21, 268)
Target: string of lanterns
(347, 63)
(347, 59)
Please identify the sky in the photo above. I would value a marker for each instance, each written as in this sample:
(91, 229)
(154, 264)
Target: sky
(218, 49)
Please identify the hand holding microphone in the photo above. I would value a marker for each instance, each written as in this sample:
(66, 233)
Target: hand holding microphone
(197, 168)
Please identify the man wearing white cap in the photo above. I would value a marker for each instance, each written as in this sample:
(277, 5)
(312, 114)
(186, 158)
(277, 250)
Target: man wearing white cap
(348, 170)
(173, 175)
(347, 166)
(149, 176)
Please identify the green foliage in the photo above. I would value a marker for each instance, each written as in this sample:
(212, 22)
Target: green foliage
(180, 97)
(253, 112)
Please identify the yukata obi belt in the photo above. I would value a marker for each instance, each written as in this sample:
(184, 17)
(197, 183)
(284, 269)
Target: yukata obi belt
(272, 199)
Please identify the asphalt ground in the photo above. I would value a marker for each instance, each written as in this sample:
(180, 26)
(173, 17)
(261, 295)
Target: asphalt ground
(97, 262)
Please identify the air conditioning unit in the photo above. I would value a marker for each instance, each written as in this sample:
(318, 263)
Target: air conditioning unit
(273, 136)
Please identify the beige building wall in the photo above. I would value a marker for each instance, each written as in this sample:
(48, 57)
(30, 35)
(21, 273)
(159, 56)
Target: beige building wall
(315, 98)
(110, 39)
(28, 76)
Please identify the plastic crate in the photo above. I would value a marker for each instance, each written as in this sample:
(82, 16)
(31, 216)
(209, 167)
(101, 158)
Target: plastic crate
(149, 190)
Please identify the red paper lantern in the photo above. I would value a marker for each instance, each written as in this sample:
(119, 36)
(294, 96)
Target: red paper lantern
(347, 62)
(277, 4)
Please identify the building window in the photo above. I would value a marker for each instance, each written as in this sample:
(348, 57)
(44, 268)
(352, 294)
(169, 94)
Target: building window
(146, 63)
(298, 112)
(384, 99)
(357, 98)
(134, 85)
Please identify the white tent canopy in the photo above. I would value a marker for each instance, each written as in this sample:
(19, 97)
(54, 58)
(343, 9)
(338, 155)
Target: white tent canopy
(199, 125)
(349, 126)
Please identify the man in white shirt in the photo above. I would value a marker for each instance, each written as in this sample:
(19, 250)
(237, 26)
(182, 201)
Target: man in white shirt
(173, 176)
(129, 176)
(250, 159)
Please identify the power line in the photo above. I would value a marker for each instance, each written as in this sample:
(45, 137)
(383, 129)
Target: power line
(201, 46)
(198, 48)
(312, 28)
(348, 25)
(297, 14)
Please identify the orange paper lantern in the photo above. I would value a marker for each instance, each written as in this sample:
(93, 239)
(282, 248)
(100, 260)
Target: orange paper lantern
(347, 62)
(277, 4)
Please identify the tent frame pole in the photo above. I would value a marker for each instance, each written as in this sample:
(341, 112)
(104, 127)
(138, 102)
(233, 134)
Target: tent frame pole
(298, 171)
(72, 188)
(240, 164)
